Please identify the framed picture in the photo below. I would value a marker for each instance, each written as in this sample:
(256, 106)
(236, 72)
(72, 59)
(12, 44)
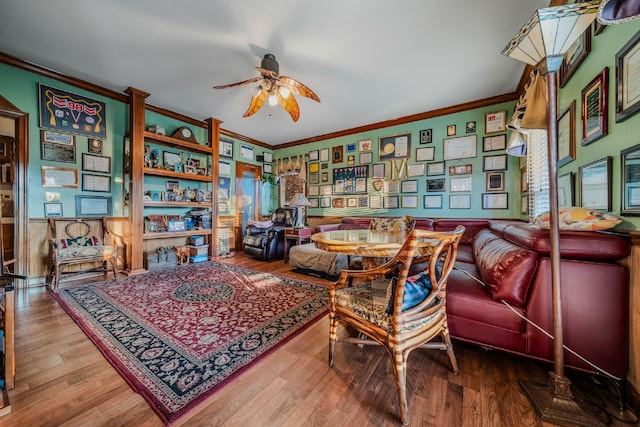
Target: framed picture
(324, 165)
(595, 184)
(314, 202)
(59, 177)
(363, 202)
(313, 190)
(410, 186)
(352, 202)
(494, 143)
(425, 136)
(409, 202)
(170, 159)
(470, 127)
(627, 77)
(337, 153)
(351, 148)
(495, 122)
(433, 201)
(366, 158)
(267, 157)
(567, 135)
(495, 200)
(246, 152)
(325, 177)
(93, 205)
(394, 146)
(365, 145)
(94, 146)
(97, 183)
(391, 187)
(324, 155)
(451, 130)
(314, 167)
(93, 163)
(52, 209)
(326, 190)
(378, 171)
(226, 148)
(314, 156)
(494, 163)
(524, 180)
(565, 189)
(390, 202)
(351, 160)
(495, 181)
(57, 137)
(461, 170)
(173, 185)
(577, 53)
(415, 170)
(375, 202)
(436, 168)
(460, 184)
(594, 108)
(425, 154)
(630, 160)
(460, 201)
(462, 147)
(73, 113)
(57, 147)
(325, 202)
(338, 202)
(435, 185)
(224, 168)
(267, 168)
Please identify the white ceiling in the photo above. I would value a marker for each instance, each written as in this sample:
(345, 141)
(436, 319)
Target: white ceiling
(368, 60)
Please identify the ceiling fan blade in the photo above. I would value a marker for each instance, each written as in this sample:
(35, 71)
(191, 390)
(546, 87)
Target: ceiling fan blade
(298, 88)
(256, 103)
(244, 82)
(290, 105)
(268, 73)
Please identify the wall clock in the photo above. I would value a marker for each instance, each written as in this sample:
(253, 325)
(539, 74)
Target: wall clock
(185, 134)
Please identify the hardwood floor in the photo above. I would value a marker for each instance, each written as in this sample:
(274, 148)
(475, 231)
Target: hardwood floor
(62, 379)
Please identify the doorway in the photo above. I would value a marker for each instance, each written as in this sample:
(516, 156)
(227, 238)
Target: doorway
(248, 199)
(14, 156)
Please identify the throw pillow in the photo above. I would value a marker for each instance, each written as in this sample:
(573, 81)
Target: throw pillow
(78, 241)
(391, 224)
(416, 289)
(579, 219)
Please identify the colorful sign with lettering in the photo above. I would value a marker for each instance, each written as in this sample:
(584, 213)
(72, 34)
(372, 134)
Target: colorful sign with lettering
(72, 113)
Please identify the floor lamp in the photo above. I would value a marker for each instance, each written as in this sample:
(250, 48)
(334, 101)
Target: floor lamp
(543, 42)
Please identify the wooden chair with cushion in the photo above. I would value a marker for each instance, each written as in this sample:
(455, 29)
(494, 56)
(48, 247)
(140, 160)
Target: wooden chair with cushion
(399, 311)
(82, 242)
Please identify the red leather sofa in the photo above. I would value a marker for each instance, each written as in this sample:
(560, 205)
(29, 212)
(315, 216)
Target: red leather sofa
(512, 258)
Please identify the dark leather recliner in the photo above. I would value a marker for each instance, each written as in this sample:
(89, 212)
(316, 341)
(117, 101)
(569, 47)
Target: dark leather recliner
(267, 244)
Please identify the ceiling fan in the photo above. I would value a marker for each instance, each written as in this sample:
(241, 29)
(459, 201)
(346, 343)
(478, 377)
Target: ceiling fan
(278, 89)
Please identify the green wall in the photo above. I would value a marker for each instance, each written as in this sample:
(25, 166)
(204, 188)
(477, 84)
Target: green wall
(20, 88)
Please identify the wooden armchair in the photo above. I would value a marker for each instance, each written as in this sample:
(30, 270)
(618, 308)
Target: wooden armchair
(399, 311)
(82, 242)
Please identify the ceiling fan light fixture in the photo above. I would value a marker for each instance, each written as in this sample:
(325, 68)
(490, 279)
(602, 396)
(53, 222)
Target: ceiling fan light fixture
(255, 91)
(284, 92)
(273, 100)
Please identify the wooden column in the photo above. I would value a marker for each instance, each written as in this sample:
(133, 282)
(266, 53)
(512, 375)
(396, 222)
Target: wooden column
(214, 143)
(136, 181)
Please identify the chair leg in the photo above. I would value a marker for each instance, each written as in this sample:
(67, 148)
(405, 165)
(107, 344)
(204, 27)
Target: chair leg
(399, 369)
(113, 267)
(446, 339)
(333, 330)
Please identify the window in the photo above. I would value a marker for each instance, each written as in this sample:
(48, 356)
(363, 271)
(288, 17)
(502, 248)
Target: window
(538, 170)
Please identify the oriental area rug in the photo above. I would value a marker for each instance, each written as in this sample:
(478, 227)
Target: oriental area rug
(178, 335)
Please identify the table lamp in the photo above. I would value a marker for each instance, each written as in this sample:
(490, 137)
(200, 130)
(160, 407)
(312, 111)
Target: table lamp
(300, 201)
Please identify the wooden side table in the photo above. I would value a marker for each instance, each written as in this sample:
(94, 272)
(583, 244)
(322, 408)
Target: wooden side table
(300, 235)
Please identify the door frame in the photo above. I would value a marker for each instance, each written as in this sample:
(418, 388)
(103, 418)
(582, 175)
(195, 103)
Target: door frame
(21, 136)
(241, 168)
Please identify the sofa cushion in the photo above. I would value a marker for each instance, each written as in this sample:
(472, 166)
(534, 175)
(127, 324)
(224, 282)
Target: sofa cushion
(307, 257)
(506, 269)
(471, 227)
(78, 242)
(91, 251)
(391, 224)
(351, 226)
(579, 219)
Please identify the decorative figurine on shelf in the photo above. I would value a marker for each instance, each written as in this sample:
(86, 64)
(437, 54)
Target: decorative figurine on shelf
(155, 161)
(156, 129)
(182, 254)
